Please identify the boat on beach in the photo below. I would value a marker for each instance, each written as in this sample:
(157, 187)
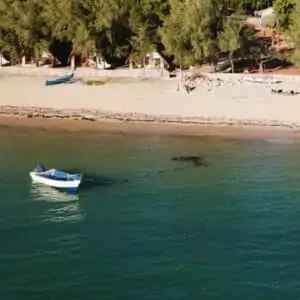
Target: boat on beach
(254, 79)
(56, 178)
(60, 80)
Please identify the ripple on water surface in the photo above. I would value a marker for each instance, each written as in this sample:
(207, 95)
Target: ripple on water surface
(65, 207)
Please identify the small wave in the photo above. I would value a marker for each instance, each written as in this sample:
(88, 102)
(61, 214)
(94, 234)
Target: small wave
(64, 208)
(70, 213)
(48, 194)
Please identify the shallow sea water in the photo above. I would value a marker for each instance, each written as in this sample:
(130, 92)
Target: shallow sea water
(150, 228)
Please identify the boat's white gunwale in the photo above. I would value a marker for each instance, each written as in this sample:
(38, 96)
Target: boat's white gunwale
(67, 184)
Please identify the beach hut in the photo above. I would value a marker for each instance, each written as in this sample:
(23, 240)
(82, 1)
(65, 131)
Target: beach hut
(154, 60)
(266, 16)
(3, 61)
(101, 63)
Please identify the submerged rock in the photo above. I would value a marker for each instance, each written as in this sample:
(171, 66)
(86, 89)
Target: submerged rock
(195, 159)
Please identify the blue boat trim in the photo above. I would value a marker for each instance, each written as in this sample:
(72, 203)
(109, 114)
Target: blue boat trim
(60, 80)
(59, 175)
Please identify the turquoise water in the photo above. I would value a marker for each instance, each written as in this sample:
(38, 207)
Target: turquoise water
(150, 228)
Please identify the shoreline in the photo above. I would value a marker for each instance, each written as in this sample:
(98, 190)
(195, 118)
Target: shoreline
(224, 106)
(98, 122)
(26, 112)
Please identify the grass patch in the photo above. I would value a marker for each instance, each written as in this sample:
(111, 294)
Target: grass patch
(96, 82)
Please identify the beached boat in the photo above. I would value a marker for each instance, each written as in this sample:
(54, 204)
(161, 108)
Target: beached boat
(56, 178)
(60, 80)
(255, 79)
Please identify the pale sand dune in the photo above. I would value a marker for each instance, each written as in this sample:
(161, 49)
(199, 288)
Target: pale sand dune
(235, 103)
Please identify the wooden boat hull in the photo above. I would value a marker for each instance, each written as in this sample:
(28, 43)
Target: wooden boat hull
(60, 80)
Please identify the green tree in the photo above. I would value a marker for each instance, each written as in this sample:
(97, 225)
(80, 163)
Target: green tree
(9, 45)
(146, 17)
(295, 33)
(283, 10)
(189, 31)
(240, 41)
(175, 36)
(204, 23)
(112, 30)
(24, 31)
(69, 21)
(230, 39)
(250, 6)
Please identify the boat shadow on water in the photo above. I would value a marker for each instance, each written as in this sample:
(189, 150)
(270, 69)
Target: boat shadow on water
(93, 180)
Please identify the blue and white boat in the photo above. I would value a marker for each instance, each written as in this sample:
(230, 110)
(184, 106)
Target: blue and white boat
(56, 178)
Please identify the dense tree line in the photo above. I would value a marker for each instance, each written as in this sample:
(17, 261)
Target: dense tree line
(184, 31)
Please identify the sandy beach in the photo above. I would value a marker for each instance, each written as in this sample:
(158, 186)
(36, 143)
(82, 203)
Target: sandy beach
(221, 105)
